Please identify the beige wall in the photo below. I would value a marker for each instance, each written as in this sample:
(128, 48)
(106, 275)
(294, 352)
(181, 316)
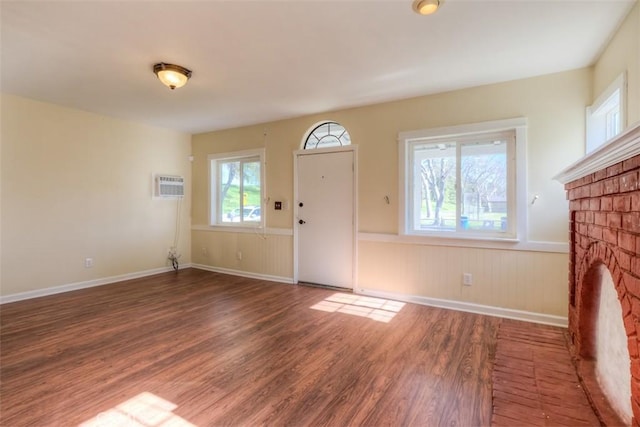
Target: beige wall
(77, 185)
(622, 54)
(554, 106)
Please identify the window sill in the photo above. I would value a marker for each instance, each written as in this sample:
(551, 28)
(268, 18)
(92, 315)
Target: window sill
(467, 242)
(243, 229)
(235, 228)
(459, 236)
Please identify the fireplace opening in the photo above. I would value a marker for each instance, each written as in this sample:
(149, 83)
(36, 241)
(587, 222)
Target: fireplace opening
(611, 352)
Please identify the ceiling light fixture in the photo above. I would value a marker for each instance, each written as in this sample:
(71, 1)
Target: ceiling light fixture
(426, 7)
(172, 75)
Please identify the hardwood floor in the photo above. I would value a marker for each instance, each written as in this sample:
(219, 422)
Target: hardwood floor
(200, 348)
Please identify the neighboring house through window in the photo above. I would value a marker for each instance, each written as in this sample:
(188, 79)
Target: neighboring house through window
(237, 188)
(463, 181)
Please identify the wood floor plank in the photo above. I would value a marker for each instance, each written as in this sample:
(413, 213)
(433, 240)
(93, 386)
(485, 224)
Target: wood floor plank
(218, 350)
(234, 351)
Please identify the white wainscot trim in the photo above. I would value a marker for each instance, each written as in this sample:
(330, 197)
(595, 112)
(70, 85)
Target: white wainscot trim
(249, 230)
(511, 245)
(85, 284)
(241, 273)
(507, 313)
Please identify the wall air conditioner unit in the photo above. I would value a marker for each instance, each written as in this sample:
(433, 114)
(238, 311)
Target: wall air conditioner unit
(169, 186)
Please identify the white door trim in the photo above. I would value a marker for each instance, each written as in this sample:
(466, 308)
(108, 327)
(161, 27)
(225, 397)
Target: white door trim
(320, 151)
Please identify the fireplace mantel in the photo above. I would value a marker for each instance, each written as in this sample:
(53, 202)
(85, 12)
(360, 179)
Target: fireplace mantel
(623, 147)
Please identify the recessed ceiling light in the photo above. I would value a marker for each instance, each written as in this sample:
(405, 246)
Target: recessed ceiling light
(425, 7)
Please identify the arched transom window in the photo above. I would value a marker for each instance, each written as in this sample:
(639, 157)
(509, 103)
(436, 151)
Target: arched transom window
(327, 134)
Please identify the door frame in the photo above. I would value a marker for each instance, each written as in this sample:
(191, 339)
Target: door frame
(319, 152)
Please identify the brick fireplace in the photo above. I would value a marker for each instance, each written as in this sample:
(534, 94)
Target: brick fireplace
(604, 202)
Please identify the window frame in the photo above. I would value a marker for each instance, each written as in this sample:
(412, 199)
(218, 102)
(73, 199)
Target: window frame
(311, 131)
(598, 114)
(215, 218)
(516, 186)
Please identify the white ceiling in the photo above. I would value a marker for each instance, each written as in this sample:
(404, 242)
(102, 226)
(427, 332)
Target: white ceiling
(263, 60)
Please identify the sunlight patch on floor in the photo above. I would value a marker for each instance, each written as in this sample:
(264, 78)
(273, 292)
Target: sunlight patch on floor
(378, 309)
(143, 410)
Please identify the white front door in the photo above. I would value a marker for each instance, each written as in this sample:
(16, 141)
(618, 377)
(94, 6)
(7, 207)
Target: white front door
(324, 220)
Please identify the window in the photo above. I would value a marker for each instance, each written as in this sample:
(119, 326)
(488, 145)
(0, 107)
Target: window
(237, 188)
(605, 118)
(462, 181)
(327, 134)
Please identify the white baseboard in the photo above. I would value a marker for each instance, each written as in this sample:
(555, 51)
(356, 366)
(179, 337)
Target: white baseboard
(479, 243)
(83, 285)
(249, 274)
(527, 316)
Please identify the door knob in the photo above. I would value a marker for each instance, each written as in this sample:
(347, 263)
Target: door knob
(301, 221)
(301, 204)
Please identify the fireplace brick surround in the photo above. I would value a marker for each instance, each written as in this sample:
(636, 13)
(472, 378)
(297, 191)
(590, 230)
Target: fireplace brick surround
(604, 202)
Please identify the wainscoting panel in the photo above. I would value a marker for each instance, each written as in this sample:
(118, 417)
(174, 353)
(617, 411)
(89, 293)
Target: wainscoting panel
(529, 281)
(263, 254)
(517, 280)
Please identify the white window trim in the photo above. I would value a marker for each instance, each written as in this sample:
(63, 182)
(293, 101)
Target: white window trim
(312, 129)
(594, 139)
(519, 125)
(213, 202)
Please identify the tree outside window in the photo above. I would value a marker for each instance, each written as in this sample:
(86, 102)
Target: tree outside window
(463, 184)
(236, 197)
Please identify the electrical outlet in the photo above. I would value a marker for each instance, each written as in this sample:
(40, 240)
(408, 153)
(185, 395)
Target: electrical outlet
(239, 255)
(205, 251)
(467, 279)
(88, 262)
